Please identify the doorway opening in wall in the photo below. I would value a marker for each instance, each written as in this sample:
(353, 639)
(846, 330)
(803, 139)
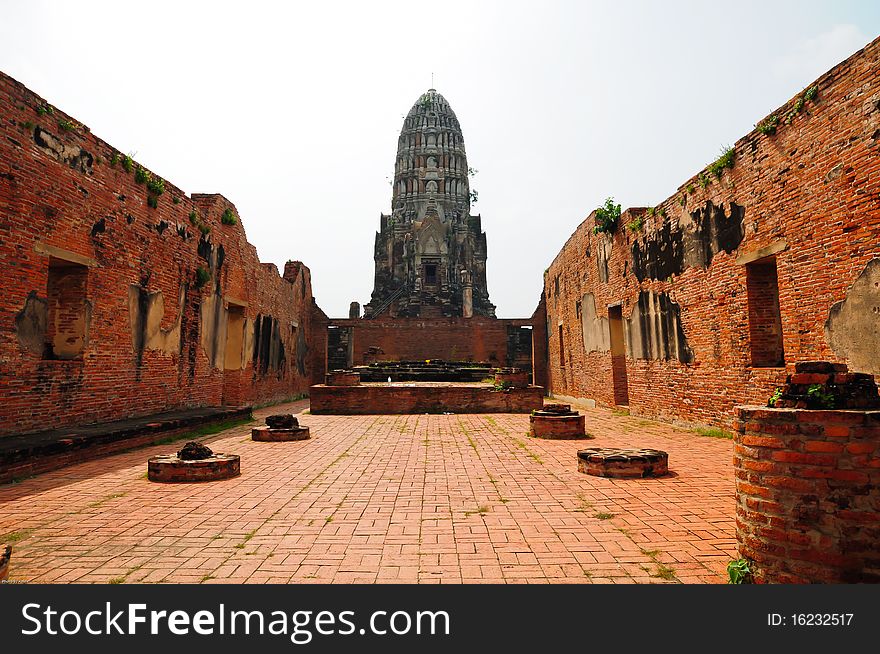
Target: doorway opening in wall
(234, 337)
(618, 356)
(430, 274)
(67, 310)
(765, 318)
(233, 354)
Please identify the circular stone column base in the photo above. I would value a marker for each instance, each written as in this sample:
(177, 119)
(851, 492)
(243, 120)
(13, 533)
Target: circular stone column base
(622, 463)
(5, 556)
(170, 468)
(269, 435)
(547, 425)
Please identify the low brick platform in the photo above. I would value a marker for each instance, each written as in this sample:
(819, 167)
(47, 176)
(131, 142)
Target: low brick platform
(808, 494)
(623, 463)
(427, 397)
(171, 468)
(5, 557)
(269, 435)
(29, 454)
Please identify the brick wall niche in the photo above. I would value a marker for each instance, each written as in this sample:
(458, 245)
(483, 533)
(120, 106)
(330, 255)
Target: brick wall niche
(808, 494)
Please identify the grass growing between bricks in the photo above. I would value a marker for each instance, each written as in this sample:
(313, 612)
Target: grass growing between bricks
(713, 432)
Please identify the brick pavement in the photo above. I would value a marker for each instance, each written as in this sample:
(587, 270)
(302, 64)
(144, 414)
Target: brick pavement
(427, 499)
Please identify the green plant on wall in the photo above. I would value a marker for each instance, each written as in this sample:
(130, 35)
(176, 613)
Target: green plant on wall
(636, 224)
(704, 180)
(777, 395)
(142, 175)
(768, 125)
(127, 163)
(606, 217)
(228, 218)
(726, 160)
(819, 397)
(156, 185)
(202, 276)
(739, 572)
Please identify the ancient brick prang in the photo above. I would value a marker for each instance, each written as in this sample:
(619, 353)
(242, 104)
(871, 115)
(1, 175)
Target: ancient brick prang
(124, 297)
(808, 494)
(766, 258)
(430, 252)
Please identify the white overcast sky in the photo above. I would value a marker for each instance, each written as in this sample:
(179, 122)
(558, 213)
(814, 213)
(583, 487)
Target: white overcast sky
(292, 110)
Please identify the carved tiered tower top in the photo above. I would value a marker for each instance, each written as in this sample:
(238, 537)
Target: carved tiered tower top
(431, 252)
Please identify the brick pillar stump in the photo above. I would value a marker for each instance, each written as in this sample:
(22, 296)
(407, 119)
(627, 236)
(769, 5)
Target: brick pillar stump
(808, 494)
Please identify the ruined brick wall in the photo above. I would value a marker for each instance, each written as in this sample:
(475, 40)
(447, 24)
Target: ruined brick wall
(808, 494)
(682, 299)
(121, 296)
(497, 341)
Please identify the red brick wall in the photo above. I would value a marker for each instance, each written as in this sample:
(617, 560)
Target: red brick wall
(808, 494)
(809, 194)
(64, 192)
(452, 339)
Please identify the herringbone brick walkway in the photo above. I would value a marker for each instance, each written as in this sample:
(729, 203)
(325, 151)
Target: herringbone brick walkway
(427, 499)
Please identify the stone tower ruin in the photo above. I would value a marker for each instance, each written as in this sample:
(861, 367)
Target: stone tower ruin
(430, 251)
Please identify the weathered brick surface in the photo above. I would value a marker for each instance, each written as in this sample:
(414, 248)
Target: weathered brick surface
(424, 398)
(808, 498)
(342, 378)
(451, 339)
(66, 198)
(809, 196)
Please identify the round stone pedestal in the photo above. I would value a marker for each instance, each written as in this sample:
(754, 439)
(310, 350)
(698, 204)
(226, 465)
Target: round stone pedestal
(343, 378)
(5, 556)
(171, 468)
(268, 434)
(622, 463)
(543, 424)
